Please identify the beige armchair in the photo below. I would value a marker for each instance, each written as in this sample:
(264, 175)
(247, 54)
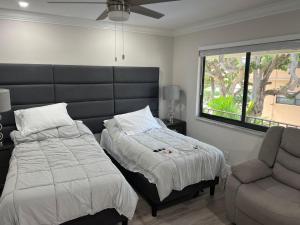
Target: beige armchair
(266, 191)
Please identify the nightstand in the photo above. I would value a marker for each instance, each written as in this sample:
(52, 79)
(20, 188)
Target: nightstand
(178, 125)
(5, 153)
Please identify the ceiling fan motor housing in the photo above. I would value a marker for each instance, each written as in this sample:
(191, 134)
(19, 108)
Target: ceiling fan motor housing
(118, 12)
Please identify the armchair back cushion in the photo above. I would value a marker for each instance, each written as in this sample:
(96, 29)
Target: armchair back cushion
(287, 164)
(270, 146)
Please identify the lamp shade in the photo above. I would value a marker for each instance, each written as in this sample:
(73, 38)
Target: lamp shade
(4, 100)
(171, 92)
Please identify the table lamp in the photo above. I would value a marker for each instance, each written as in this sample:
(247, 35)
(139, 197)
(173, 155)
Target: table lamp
(4, 106)
(171, 93)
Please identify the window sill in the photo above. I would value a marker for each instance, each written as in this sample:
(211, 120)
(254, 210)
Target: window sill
(230, 126)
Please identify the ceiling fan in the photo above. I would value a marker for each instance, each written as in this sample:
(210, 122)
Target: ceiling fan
(119, 10)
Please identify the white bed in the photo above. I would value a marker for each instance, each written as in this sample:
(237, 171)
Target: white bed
(61, 174)
(189, 162)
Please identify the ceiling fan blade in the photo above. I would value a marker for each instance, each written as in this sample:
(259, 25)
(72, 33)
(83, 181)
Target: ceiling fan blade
(146, 12)
(53, 2)
(145, 2)
(103, 16)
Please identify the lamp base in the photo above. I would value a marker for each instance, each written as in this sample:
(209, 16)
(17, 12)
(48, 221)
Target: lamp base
(171, 112)
(171, 117)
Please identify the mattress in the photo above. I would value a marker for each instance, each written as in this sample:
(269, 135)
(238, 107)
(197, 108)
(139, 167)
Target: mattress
(59, 175)
(166, 158)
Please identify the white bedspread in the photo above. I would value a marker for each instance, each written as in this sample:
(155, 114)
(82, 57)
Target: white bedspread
(185, 161)
(59, 175)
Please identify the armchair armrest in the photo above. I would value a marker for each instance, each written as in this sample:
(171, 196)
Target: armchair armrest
(251, 171)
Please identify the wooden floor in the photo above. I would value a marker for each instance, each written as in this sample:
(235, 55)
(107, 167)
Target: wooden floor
(203, 210)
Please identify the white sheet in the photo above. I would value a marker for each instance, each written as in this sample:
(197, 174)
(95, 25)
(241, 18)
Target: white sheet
(105, 140)
(59, 175)
(169, 171)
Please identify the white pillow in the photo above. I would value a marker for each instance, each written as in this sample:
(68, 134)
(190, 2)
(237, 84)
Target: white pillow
(33, 120)
(137, 122)
(109, 124)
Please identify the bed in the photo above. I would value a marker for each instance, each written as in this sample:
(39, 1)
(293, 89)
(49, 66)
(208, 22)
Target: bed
(134, 90)
(59, 175)
(89, 92)
(164, 166)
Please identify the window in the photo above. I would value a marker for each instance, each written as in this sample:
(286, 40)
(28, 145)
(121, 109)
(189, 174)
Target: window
(252, 86)
(223, 85)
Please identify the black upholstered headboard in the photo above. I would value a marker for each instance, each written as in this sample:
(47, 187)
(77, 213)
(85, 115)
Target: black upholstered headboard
(88, 92)
(135, 88)
(30, 85)
(93, 93)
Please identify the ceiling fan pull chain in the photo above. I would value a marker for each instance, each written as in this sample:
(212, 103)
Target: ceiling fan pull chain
(123, 55)
(116, 58)
(123, 39)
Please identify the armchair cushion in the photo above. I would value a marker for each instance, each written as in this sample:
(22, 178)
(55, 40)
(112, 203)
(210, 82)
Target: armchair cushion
(268, 202)
(270, 145)
(251, 171)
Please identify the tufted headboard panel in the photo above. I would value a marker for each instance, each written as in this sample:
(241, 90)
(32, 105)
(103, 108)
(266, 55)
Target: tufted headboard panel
(135, 88)
(30, 85)
(88, 92)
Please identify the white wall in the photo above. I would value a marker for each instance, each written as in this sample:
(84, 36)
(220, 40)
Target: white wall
(240, 145)
(27, 42)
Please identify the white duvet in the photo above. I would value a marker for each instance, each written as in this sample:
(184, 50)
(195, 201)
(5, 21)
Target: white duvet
(59, 175)
(184, 161)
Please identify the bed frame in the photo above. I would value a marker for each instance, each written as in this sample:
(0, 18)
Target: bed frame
(149, 190)
(105, 217)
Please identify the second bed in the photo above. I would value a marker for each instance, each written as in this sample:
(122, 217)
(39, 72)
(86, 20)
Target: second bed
(165, 167)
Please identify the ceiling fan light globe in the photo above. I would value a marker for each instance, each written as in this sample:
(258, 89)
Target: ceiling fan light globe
(118, 16)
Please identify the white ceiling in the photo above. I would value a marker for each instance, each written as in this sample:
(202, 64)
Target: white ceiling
(179, 14)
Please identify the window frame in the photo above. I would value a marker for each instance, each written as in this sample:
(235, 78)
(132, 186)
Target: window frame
(242, 122)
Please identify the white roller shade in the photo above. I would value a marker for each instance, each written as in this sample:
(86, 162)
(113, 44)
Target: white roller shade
(282, 45)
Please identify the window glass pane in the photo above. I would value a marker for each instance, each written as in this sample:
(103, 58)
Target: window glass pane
(223, 85)
(274, 87)
(284, 100)
(297, 99)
